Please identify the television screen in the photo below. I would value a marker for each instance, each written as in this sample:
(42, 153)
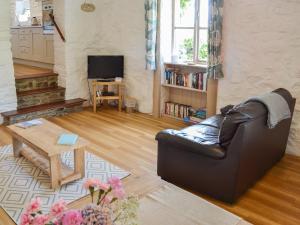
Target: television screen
(105, 67)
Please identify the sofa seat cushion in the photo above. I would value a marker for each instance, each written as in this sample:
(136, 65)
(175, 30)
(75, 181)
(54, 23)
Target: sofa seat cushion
(202, 134)
(193, 139)
(214, 121)
(202, 138)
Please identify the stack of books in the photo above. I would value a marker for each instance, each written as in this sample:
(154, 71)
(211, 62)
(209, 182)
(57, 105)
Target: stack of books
(191, 80)
(177, 110)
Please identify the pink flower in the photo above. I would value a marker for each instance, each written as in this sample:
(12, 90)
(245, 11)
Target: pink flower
(26, 219)
(72, 217)
(58, 208)
(119, 193)
(91, 183)
(34, 206)
(40, 220)
(115, 183)
(103, 186)
(107, 199)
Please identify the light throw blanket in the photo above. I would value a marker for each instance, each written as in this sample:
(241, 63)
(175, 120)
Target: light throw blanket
(278, 108)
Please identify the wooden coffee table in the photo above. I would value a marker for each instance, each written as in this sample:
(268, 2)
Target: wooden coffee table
(44, 152)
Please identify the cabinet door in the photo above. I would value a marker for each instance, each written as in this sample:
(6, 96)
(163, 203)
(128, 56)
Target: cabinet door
(25, 44)
(49, 49)
(25, 53)
(25, 40)
(14, 43)
(37, 46)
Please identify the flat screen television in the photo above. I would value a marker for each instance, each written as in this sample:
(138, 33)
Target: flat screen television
(105, 67)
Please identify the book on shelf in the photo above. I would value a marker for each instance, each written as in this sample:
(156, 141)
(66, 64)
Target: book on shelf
(177, 110)
(190, 80)
(185, 112)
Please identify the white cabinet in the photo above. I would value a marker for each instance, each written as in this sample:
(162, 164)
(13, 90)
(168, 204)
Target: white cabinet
(32, 44)
(49, 49)
(37, 45)
(14, 41)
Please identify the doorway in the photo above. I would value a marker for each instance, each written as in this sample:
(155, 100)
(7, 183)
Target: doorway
(32, 35)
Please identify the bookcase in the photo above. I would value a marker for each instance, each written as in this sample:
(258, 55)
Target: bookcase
(186, 92)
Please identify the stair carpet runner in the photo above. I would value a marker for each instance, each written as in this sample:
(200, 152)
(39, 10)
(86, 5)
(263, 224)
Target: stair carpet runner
(39, 95)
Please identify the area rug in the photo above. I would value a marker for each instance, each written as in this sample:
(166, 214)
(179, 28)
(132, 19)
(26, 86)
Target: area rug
(175, 206)
(20, 181)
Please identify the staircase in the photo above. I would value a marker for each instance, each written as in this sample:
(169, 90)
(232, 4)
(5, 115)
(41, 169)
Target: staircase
(38, 95)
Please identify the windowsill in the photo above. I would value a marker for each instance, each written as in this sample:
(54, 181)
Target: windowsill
(190, 65)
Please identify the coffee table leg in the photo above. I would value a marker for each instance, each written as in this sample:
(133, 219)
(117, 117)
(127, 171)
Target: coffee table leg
(79, 160)
(17, 146)
(55, 171)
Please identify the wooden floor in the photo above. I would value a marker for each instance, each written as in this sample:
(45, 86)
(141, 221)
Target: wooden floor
(127, 140)
(24, 71)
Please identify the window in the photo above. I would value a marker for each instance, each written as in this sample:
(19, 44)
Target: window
(190, 30)
(23, 11)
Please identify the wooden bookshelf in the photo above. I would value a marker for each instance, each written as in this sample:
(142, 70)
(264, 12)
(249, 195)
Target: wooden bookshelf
(183, 88)
(172, 117)
(185, 95)
(188, 66)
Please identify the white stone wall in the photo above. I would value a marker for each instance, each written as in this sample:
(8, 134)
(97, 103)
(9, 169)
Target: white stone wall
(7, 82)
(116, 27)
(13, 20)
(59, 45)
(261, 49)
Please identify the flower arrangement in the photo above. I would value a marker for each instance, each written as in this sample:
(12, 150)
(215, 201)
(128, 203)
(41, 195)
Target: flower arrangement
(110, 207)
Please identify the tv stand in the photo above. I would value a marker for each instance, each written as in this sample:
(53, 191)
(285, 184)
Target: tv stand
(105, 85)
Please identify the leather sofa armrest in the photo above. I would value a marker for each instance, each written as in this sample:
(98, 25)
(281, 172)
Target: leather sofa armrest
(175, 139)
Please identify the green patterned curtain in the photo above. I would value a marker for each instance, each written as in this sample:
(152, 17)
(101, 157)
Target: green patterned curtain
(151, 32)
(215, 38)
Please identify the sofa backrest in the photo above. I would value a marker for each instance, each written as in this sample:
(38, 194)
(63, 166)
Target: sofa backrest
(236, 116)
(245, 112)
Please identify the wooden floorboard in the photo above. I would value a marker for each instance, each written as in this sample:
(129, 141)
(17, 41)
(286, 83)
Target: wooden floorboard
(127, 140)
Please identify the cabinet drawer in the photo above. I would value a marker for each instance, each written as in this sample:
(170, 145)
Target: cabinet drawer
(25, 31)
(25, 40)
(25, 51)
(37, 31)
(14, 31)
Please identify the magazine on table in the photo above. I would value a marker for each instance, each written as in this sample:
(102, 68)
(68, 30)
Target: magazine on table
(67, 139)
(30, 123)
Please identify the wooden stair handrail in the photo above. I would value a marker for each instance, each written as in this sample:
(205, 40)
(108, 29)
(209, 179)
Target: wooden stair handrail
(57, 28)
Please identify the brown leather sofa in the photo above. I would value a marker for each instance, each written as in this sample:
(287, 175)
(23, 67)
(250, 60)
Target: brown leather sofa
(226, 154)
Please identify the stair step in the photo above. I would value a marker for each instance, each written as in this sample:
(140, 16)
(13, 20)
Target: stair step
(36, 81)
(40, 91)
(40, 97)
(45, 110)
(25, 71)
(35, 75)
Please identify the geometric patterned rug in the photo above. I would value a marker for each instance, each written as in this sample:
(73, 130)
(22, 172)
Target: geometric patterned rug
(20, 181)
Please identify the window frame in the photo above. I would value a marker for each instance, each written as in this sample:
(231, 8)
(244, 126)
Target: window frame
(28, 21)
(196, 28)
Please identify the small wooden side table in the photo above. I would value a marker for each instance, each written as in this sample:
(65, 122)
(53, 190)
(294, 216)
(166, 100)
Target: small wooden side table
(105, 85)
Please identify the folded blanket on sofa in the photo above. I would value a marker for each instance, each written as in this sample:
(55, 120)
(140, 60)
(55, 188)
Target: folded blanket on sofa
(277, 106)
